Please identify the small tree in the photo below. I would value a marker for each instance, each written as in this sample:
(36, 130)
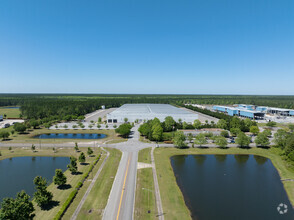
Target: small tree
(197, 124)
(98, 126)
(19, 208)
(20, 127)
(99, 120)
(271, 124)
(90, 151)
(59, 179)
(114, 126)
(4, 135)
(235, 131)
(262, 140)
(10, 148)
(73, 168)
(221, 141)
(42, 196)
(82, 158)
(126, 120)
(224, 134)
(90, 126)
(200, 139)
(190, 137)
(179, 139)
(267, 132)
(254, 130)
(124, 130)
(92, 121)
(76, 147)
(242, 140)
(106, 126)
(33, 148)
(291, 127)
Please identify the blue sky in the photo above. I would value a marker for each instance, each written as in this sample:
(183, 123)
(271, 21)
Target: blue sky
(147, 46)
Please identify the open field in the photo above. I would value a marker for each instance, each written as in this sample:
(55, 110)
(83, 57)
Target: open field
(59, 195)
(145, 198)
(28, 138)
(173, 202)
(10, 112)
(98, 197)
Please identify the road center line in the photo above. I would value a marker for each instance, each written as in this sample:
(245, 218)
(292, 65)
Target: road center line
(122, 191)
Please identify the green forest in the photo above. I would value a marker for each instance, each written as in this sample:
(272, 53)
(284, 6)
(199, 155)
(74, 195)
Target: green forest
(49, 107)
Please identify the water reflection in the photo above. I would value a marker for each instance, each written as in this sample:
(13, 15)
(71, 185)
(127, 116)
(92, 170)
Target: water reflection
(241, 158)
(260, 160)
(220, 157)
(200, 159)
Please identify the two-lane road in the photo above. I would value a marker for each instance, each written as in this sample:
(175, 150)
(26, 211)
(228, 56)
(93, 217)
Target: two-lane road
(122, 195)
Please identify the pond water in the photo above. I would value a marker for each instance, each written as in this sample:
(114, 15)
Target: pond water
(11, 107)
(230, 187)
(18, 173)
(70, 136)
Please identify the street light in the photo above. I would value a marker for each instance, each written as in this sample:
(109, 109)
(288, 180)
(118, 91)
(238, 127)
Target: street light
(149, 190)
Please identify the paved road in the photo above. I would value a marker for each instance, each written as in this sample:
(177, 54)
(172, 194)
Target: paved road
(121, 200)
(99, 113)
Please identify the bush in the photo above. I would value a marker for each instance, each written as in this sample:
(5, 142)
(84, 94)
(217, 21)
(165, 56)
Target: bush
(66, 204)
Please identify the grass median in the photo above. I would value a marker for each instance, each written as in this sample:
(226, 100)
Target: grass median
(173, 202)
(98, 197)
(145, 203)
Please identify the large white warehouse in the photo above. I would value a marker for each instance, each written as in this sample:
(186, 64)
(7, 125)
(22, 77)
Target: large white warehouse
(146, 112)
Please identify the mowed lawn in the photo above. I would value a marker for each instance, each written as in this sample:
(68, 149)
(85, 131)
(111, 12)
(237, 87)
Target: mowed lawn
(10, 112)
(145, 203)
(98, 197)
(173, 202)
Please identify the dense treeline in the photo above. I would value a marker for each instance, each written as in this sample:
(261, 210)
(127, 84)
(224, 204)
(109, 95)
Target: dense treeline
(40, 106)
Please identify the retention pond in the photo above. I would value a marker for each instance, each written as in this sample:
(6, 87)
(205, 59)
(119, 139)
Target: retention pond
(18, 173)
(231, 187)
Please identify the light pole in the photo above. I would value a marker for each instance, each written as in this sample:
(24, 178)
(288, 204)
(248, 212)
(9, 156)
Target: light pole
(149, 190)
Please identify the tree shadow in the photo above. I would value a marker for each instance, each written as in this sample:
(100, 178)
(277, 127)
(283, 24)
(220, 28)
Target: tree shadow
(245, 147)
(263, 147)
(84, 164)
(77, 173)
(51, 205)
(64, 187)
(92, 155)
(7, 139)
(202, 147)
(185, 147)
(223, 148)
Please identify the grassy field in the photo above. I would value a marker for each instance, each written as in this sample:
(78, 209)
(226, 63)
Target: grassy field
(173, 202)
(28, 138)
(59, 195)
(98, 197)
(10, 112)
